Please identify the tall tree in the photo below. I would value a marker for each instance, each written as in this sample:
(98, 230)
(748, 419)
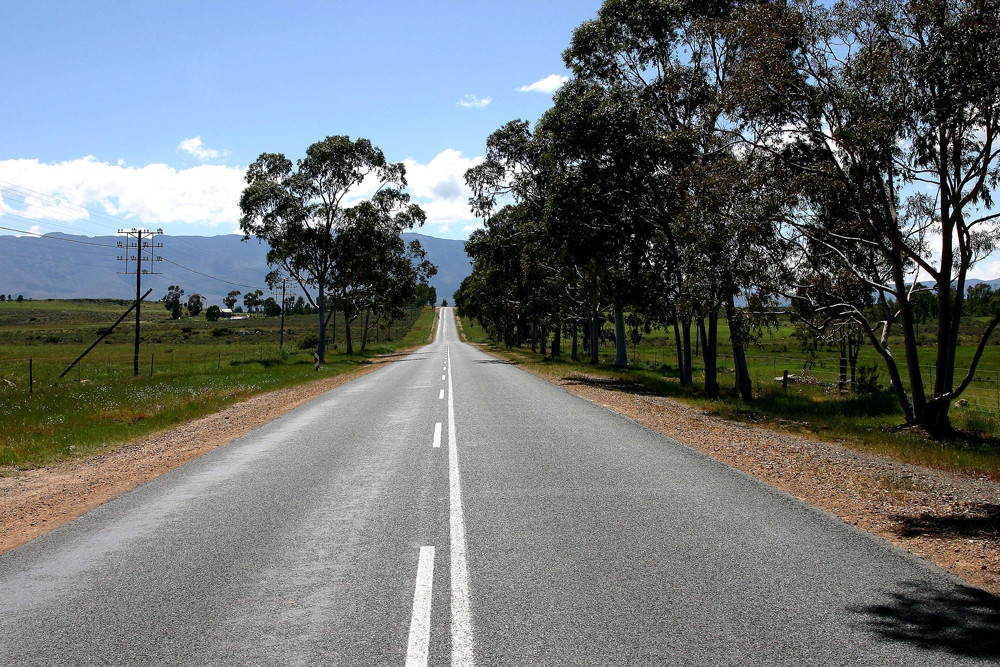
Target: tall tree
(172, 301)
(230, 299)
(195, 304)
(299, 211)
(896, 103)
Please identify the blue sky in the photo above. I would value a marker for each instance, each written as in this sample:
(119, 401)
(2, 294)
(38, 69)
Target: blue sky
(145, 114)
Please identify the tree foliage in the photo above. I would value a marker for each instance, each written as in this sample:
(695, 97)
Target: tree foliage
(303, 210)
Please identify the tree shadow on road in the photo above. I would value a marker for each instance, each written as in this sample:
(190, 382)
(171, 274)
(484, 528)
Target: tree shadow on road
(504, 362)
(611, 384)
(960, 620)
(981, 520)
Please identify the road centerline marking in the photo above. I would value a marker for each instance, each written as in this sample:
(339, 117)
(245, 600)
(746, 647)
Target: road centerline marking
(441, 394)
(420, 620)
(461, 618)
(437, 435)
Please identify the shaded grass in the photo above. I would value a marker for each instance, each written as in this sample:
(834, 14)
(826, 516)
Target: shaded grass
(69, 418)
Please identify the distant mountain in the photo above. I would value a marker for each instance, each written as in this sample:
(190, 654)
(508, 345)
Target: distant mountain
(78, 267)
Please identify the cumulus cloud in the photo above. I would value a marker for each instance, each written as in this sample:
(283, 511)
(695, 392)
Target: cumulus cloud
(93, 197)
(195, 147)
(439, 187)
(473, 102)
(549, 84)
(155, 194)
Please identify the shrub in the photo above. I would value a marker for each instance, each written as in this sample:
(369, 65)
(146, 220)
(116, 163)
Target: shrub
(867, 380)
(310, 342)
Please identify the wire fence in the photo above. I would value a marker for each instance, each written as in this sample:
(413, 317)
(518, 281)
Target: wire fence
(982, 394)
(33, 374)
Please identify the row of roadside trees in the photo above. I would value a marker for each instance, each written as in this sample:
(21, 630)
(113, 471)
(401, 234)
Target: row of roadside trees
(712, 159)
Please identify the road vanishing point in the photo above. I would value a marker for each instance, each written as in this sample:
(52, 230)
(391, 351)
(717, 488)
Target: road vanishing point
(452, 509)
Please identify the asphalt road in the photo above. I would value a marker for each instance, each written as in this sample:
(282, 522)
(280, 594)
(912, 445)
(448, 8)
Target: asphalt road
(541, 530)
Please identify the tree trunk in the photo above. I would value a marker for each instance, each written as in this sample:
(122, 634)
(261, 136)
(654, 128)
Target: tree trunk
(679, 346)
(574, 349)
(621, 351)
(364, 329)
(557, 341)
(320, 303)
(699, 339)
(687, 375)
(544, 333)
(348, 343)
(743, 383)
(910, 350)
(710, 352)
(594, 352)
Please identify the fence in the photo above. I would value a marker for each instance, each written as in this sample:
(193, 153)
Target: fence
(32, 374)
(982, 394)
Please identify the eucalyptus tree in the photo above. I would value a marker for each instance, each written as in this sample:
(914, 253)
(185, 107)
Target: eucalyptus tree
(599, 152)
(898, 104)
(299, 210)
(514, 182)
(377, 271)
(497, 290)
(676, 57)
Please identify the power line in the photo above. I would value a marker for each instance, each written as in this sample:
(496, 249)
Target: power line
(57, 238)
(221, 280)
(106, 245)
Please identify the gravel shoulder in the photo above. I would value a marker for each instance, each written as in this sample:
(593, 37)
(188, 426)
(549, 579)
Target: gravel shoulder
(36, 501)
(948, 519)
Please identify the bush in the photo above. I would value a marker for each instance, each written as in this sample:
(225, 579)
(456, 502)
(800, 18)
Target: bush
(218, 332)
(310, 342)
(867, 380)
(213, 313)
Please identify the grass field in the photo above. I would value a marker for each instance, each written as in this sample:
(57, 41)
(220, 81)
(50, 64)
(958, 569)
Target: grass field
(817, 408)
(189, 368)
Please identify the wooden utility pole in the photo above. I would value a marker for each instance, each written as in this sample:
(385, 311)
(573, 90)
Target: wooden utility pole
(139, 246)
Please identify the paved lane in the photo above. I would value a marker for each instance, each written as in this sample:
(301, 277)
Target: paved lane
(542, 530)
(297, 544)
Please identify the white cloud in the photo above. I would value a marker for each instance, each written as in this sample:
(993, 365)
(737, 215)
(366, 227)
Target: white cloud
(155, 194)
(473, 102)
(439, 187)
(195, 147)
(549, 84)
(92, 197)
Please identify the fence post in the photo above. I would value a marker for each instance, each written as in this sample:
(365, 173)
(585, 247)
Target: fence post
(151, 355)
(219, 366)
(31, 375)
(784, 380)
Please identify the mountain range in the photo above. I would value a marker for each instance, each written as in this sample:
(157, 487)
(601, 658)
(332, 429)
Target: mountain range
(65, 266)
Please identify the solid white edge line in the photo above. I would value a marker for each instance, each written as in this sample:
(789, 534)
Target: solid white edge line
(420, 621)
(461, 617)
(437, 435)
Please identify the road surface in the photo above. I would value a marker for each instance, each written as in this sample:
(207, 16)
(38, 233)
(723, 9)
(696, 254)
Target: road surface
(452, 509)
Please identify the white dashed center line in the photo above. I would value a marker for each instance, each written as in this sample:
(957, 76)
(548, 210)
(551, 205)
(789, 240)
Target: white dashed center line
(420, 621)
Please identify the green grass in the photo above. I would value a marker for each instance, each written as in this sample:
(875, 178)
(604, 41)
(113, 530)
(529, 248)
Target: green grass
(864, 422)
(186, 372)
